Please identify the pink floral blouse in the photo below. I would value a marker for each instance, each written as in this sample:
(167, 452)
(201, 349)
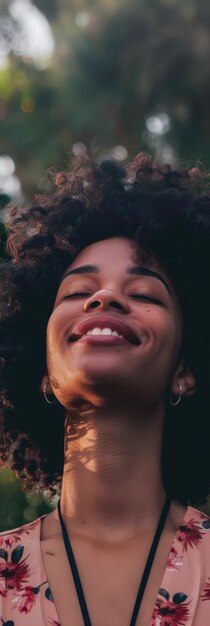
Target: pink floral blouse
(184, 595)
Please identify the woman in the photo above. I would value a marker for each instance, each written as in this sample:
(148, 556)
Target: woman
(112, 272)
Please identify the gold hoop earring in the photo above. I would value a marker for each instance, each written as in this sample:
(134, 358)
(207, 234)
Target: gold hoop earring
(45, 395)
(174, 403)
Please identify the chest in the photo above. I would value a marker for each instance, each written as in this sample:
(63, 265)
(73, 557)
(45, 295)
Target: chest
(110, 578)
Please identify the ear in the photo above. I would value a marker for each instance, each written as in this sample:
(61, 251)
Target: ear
(183, 377)
(45, 381)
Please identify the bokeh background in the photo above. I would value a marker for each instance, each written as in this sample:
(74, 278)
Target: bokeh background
(109, 76)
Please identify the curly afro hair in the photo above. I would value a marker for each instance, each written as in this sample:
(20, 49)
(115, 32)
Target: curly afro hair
(167, 212)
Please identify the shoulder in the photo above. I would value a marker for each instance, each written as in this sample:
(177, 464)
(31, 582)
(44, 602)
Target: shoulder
(199, 517)
(24, 588)
(193, 537)
(196, 518)
(21, 533)
(194, 532)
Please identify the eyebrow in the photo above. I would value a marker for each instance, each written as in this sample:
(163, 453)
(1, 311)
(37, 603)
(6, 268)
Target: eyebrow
(135, 271)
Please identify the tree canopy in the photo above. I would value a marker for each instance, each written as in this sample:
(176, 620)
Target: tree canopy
(121, 77)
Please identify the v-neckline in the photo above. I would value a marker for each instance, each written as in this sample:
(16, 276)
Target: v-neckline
(162, 584)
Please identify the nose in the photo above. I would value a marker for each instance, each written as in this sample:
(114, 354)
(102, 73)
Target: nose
(104, 300)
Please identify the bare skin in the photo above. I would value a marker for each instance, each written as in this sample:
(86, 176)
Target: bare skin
(112, 490)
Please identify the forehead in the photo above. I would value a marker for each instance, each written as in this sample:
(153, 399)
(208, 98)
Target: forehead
(114, 253)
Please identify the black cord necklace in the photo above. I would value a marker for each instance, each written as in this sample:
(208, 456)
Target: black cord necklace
(147, 569)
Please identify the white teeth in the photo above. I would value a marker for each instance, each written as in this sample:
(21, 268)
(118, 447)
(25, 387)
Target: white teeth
(96, 331)
(103, 331)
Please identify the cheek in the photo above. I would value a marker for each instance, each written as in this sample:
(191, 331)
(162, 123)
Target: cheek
(165, 328)
(57, 325)
(50, 334)
(172, 339)
(58, 354)
(53, 338)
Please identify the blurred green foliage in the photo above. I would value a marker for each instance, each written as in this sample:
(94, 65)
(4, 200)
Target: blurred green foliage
(18, 507)
(115, 64)
(122, 77)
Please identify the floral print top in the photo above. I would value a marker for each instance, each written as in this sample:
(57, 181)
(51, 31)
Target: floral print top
(184, 595)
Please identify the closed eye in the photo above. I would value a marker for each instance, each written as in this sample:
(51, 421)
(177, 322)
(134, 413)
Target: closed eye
(137, 296)
(146, 298)
(75, 294)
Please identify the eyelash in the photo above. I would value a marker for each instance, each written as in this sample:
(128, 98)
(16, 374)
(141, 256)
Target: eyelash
(146, 298)
(75, 293)
(140, 296)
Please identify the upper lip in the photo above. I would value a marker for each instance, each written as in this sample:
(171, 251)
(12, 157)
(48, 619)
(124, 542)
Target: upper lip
(104, 321)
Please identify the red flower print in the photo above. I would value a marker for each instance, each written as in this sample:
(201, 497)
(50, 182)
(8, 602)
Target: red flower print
(168, 612)
(16, 571)
(26, 529)
(25, 599)
(174, 562)
(3, 589)
(189, 535)
(206, 592)
(11, 539)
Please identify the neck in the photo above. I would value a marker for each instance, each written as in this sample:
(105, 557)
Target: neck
(112, 480)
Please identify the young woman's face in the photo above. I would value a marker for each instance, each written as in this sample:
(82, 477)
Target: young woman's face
(106, 287)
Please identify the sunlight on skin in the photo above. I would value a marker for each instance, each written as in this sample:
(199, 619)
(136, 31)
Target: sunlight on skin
(113, 393)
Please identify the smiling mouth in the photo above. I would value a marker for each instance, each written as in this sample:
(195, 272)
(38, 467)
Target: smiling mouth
(103, 331)
(102, 340)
